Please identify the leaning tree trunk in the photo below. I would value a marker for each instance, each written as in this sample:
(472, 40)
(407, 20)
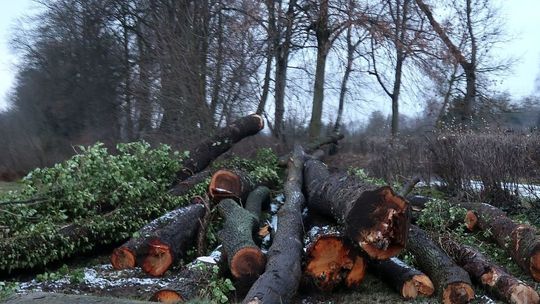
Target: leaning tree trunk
(452, 282)
(374, 217)
(135, 249)
(520, 241)
(170, 242)
(331, 260)
(279, 282)
(246, 260)
(408, 281)
(209, 149)
(493, 278)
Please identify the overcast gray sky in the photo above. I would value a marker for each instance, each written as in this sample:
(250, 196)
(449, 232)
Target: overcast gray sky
(523, 21)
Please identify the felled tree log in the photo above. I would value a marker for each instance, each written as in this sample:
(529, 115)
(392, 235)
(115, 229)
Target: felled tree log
(331, 260)
(135, 249)
(408, 281)
(170, 242)
(257, 199)
(312, 147)
(191, 280)
(209, 149)
(452, 282)
(280, 281)
(245, 258)
(374, 217)
(493, 278)
(231, 183)
(520, 241)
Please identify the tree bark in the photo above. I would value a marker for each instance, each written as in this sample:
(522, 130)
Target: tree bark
(408, 281)
(314, 145)
(279, 282)
(136, 248)
(452, 282)
(170, 242)
(282, 51)
(493, 278)
(257, 199)
(322, 33)
(373, 217)
(209, 149)
(520, 241)
(331, 260)
(246, 260)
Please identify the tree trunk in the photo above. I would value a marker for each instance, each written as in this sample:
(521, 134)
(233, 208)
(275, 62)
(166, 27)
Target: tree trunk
(322, 32)
(135, 249)
(279, 282)
(170, 242)
(493, 278)
(408, 281)
(314, 145)
(232, 183)
(282, 62)
(520, 241)
(452, 282)
(373, 217)
(245, 258)
(256, 199)
(331, 260)
(209, 149)
(468, 67)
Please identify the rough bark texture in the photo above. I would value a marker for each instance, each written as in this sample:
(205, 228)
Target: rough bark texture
(408, 281)
(374, 217)
(223, 140)
(493, 278)
(135, 249)
(520, 241)
(452, 282)
(169, 243)
(330, 260)
(245, 258)
(257, 199)
(279, 282)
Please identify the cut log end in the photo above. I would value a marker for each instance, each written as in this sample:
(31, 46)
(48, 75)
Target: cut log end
(159, 258)
(260, 119)
(326, 260)
(534, 262)
(248, 263)
(225, 184)
(418, 285)
(167, 296)
(388, 233)
(471, 220)
(457, 293)
(357, 273)
(123, 258)
(523, 294)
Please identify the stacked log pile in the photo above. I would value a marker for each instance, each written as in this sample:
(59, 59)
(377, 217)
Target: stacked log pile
(363, 226)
